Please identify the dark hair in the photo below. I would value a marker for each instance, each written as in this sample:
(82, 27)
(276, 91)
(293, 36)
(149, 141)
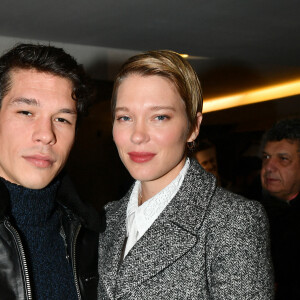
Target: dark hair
(288, 129)
(47, 59)
(203, 145)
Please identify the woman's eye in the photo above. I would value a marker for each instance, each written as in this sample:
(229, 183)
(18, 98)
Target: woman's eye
(123, 118)
(161, 117)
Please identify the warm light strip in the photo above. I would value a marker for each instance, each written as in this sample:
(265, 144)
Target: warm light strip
(184, 55)
(286, 89)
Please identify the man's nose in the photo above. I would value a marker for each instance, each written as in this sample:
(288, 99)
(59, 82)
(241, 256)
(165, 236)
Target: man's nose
(270, 164)
(44, 132)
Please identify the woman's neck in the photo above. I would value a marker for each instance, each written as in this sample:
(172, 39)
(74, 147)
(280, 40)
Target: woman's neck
(149, 189)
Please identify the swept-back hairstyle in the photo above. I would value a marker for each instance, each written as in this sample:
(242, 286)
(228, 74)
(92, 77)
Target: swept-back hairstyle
(47, 59)
(172, 66)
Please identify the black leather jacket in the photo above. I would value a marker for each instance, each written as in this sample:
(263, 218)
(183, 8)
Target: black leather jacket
(80, 229)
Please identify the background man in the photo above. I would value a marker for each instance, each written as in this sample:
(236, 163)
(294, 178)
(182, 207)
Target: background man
(280, 178)
(206, 155)
(48, 238)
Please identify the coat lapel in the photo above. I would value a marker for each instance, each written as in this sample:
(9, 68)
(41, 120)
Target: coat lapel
(111, 244)
(172, 235)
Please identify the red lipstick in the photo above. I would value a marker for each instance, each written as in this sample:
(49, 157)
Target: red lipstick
(141, 157)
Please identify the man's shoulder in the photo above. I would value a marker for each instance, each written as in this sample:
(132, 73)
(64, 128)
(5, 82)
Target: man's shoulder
(71, 203)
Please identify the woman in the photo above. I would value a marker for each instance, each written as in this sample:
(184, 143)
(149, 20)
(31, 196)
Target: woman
(175, 235)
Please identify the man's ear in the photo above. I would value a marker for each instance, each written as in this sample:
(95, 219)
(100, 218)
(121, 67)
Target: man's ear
(194, 133)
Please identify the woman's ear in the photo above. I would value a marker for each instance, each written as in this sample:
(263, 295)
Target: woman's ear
(194, 133)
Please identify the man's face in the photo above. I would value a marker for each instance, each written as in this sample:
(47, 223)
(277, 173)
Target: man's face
(37, 128)
(208, 160)
(280, 174)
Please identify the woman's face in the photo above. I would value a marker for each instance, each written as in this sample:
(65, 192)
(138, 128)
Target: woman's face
(151, 128)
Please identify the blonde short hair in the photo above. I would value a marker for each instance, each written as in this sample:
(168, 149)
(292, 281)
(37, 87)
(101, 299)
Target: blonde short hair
(172, 66)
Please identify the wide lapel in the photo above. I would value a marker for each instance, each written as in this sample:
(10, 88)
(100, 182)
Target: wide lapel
(111, 243)
(172, 235)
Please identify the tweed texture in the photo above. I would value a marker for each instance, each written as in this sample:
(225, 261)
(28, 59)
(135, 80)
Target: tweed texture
(207, 244)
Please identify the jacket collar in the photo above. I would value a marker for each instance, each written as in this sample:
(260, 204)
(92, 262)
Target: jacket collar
(66, 197)
(4, 200)
(190, 203)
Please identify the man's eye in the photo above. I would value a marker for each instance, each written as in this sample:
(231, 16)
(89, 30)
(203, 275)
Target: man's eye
(283, 158)
(265, 157)
(62, 120)
(25, 112)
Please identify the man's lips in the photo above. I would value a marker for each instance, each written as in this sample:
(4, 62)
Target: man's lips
(271, 180)
(141, 157)
(40, 161)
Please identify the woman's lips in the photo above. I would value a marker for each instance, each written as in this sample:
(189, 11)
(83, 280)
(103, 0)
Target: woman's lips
(141, 157)
(40, 161)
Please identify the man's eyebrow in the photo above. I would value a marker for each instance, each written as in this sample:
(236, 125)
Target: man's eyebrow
(34, 102)
(283, 153)
(265, 153)
(68, 111)
(28, 101)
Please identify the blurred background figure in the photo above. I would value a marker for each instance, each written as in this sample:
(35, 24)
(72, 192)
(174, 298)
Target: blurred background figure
(206, 155)
(280, 178)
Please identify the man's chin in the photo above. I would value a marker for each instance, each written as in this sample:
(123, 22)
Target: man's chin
(36, 183)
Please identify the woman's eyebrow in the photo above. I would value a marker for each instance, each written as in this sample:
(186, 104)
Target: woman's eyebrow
(121, 109)
(158, 107)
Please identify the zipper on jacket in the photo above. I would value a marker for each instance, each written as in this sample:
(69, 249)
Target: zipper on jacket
(63, 235)
(17, 238)
(74, 261)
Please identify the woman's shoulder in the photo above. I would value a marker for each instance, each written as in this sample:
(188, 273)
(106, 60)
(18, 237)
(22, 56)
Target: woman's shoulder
(230, 207)
(231, 200)
(117, 205)
(114, 206)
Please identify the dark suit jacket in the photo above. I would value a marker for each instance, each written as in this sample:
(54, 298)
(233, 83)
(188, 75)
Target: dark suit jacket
(206, 244)
(285, 245)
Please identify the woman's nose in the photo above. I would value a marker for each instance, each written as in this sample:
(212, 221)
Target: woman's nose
(140, 134)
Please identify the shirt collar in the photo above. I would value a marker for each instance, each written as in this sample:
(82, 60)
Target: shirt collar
(149, 211)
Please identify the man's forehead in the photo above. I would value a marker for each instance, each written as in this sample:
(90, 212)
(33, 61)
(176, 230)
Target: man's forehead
(282, 146)
(40, 89)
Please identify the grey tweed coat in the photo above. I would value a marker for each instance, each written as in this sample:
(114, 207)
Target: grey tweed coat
(206, 244)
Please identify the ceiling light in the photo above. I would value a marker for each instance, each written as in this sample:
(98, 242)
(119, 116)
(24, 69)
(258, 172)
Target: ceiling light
(184, 55)
(267, 93)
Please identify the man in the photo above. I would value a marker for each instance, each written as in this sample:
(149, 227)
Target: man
(48, 238)
(280, 178)
(206, 155)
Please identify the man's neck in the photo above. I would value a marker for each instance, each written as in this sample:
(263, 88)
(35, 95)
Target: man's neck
(292, 197)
